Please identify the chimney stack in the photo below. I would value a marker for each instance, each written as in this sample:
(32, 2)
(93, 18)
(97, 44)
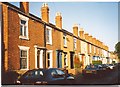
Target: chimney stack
(81, 33)
(45, 12)
(58, 20)
(86, 36)
(24, 6)
(75, 30)
(90, 38)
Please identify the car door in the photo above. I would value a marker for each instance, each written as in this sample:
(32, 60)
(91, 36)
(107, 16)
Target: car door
(28, 77)
(54, 76)
(60, 77)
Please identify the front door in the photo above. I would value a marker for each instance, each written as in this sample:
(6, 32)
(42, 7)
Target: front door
(59, 59)
(39, 60)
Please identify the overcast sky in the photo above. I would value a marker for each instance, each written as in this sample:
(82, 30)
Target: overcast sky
(99, 19)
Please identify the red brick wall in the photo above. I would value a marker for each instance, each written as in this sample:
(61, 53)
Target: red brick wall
(36, 37)
(5, 37)
(56, 44)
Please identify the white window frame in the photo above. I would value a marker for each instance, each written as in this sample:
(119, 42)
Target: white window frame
(50, 36)
(65, 40)
(81, 46)
(26, 49)
(66, 60)
(75, 43)
(94, 49)
(51, 60)
(90, 48)
(25, 19)
(98, 51)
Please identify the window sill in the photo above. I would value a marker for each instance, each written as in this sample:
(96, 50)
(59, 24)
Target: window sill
(24, 38)
(75, 49)
(49, 43)
(24, 69)
(65, 46)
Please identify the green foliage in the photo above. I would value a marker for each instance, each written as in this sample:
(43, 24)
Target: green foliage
(117, 49)
(96, 62)
(77, 62)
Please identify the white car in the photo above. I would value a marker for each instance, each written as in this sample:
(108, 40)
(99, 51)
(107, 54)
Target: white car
(111, 66)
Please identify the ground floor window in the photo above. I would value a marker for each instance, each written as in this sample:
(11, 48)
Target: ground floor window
(24, 57)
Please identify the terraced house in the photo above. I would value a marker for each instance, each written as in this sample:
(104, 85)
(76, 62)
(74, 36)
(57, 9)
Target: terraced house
(30, 42)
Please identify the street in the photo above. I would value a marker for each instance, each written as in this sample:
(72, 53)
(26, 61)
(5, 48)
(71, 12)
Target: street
(108, 78)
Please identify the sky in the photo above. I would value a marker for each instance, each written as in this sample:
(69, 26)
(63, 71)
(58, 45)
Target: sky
(99, 19)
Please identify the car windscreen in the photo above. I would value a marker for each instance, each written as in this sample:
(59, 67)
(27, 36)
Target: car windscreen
(110, 64)
(91, 67)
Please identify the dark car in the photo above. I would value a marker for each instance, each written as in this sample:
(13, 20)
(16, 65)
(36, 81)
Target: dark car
(45, 76)
(92, 70)
(104, 66)
(111, 66)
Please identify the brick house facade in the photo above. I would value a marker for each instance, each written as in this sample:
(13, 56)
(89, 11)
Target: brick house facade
(31, 42)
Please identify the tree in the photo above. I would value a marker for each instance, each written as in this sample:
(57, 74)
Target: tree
(77, 62)
(117, 50)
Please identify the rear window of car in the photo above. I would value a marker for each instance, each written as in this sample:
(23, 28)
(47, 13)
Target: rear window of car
(34, 73)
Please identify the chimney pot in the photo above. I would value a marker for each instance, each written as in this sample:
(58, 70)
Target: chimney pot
(44, 5)
(58, 14)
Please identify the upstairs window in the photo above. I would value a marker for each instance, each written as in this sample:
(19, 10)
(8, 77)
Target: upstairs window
(94, 50)
(23, 27)
(75, 43)
(90, 48)
(65, 40)
(48, 35)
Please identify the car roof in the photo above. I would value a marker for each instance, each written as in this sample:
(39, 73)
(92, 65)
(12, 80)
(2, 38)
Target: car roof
(43, 69)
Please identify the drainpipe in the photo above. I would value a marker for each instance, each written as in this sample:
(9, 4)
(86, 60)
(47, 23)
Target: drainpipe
(44, 46)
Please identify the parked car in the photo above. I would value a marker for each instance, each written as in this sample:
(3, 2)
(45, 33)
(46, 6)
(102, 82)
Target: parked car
(45, 76)
(105, 66)
(111, 66)
(117, 66)
(92, 69)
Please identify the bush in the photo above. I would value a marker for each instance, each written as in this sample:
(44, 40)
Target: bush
(96, 62)
(77, 62)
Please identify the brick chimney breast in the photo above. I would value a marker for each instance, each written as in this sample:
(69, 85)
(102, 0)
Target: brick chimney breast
(81, 33)
(86, 36)
(75, 29)
(58, 20)
(24, 6)
(45, 12)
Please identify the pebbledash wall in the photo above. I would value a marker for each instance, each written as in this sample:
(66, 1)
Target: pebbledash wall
(32, 42)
